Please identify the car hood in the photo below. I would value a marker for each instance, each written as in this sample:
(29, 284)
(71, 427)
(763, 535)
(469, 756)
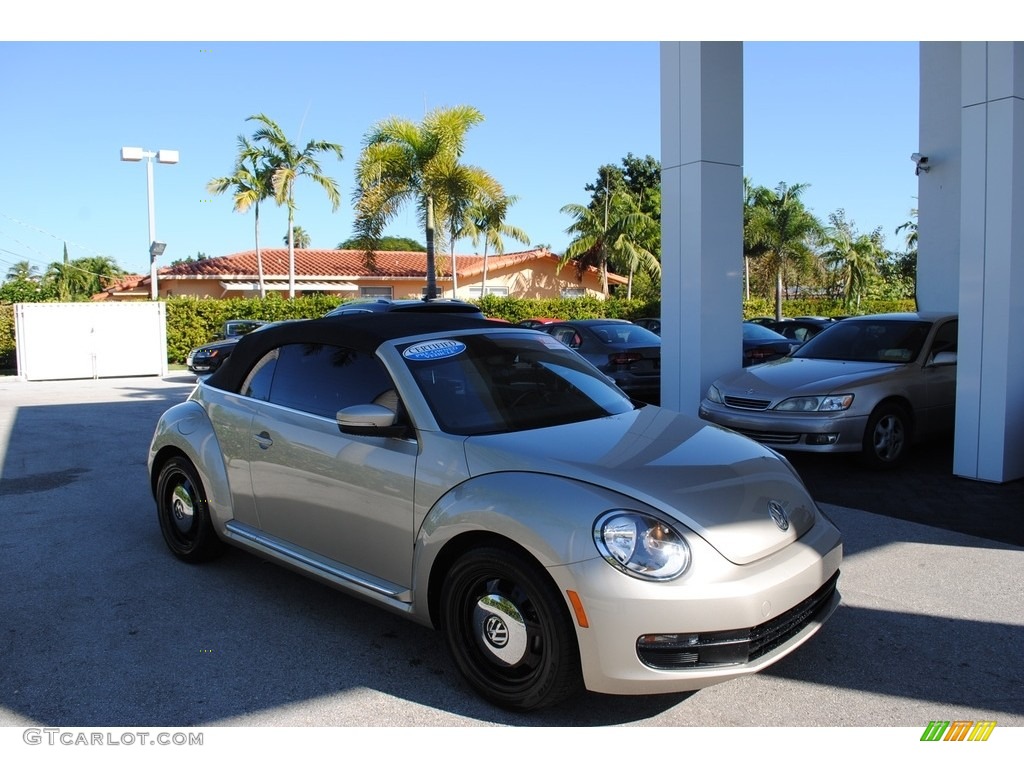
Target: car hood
(225, 343)
(791, 376)
(715, 482)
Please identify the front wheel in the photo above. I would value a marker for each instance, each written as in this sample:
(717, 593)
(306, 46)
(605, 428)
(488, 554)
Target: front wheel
(184, 513)
(887, 437)
(509, 630)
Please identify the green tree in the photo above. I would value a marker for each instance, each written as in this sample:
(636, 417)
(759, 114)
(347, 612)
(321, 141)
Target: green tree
(404, 162)
(384, 244)
(200, 256)
(485, 220)
(854, 257)
(251, 183)
(782, 226)
(618, 234)
(288, 163)
(78, 280)
(23, 270)
(299, 236)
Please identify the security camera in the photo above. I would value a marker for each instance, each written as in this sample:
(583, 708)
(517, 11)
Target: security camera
(921, 161)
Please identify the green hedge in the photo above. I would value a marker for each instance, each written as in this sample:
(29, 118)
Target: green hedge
(191, 322)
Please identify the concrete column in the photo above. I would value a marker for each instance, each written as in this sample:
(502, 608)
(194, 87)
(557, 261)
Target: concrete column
(938, 203)
(990, 375)
(702, 217)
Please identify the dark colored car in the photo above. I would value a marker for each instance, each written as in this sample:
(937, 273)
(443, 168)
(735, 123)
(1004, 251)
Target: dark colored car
(363, 306)
(801, 328)
(627, 353)
(761, 344)
(209, 357)
(652, 324)
(537, 322)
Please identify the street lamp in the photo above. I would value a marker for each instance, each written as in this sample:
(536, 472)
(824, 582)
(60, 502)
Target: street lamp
(168, 157)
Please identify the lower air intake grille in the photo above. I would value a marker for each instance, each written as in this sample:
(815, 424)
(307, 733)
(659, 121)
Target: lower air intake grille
(737, 646)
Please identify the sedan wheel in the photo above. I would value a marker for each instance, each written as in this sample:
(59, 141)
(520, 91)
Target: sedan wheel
(184, 514)
(887, 437)
(509, 630)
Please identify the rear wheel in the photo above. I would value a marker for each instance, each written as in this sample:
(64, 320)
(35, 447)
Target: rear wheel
(887, 437)
(184, 513)
(509, 630)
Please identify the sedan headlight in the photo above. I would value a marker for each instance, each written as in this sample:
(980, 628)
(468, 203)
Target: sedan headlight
(816, 403)
(641, 545)
(713, 394)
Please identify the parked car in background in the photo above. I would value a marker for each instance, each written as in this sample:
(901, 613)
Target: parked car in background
(761, 344)
(652, 324)
(537, 322)
(367, 306)
(799, 329)
(208, 358)
(485, 480)
(627, 353)
(873, 384)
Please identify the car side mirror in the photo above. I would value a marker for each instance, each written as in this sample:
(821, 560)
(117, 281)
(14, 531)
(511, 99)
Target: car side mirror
(370, 420)
(944, 358)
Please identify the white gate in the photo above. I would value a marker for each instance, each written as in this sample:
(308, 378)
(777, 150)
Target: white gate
(91, 340)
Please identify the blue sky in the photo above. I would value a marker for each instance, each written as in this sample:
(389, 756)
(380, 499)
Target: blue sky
(840, 117)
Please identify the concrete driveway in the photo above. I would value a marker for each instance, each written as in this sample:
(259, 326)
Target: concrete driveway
(101, 626)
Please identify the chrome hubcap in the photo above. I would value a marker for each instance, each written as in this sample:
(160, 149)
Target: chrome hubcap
(182, 507)
(500, 629)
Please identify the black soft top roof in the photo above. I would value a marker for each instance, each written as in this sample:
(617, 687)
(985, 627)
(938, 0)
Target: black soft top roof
(361, 332)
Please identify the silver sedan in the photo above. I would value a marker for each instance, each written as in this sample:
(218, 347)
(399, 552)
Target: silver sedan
(486, 480)
(872, 384)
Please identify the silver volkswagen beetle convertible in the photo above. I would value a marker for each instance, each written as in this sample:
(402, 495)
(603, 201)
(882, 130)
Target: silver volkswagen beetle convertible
(485, 480)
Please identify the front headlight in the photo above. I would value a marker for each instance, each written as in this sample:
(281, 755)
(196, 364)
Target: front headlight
(816, 403)
(713, 394)
(641, 545)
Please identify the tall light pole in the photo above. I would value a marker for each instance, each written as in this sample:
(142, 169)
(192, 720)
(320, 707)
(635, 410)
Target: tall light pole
(168, 157)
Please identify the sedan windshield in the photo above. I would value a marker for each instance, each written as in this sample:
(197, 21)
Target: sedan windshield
(491, 383)
(868, 341)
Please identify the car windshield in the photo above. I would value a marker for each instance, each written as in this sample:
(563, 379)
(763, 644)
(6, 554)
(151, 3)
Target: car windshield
(755, 332)
(625, 333)
(868, 341)
(492, 383)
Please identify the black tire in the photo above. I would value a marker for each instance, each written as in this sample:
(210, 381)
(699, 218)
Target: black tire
(184, 513)
(887, 437)
(509, 630)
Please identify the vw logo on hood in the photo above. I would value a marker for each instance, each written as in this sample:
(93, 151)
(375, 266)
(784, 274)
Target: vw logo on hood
(779, 515)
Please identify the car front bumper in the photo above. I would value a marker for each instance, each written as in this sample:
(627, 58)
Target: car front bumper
(812, 432)
(692, 625)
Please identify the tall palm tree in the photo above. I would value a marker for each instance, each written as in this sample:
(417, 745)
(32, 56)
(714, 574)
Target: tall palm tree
(251, 184)
(618, 233)
(485, 220)
(854, 256)
(288, 163)
(300, 237)
(405, 162)
(782, 226)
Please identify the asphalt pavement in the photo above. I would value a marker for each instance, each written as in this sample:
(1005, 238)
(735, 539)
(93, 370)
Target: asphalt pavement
(100, 626)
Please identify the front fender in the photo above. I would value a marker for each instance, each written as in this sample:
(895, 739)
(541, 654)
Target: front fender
(548, 516)
(185, 429)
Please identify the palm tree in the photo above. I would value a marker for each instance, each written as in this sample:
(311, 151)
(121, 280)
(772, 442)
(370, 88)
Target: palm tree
(251, 183)
(81, 278)
(404, 162)
(619, 233)
(782, 226)
(23, 270)
(854, 256)
(288, 164)
(485, 219)
(300, 237)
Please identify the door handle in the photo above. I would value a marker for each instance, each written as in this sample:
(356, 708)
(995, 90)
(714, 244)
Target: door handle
(263, 440)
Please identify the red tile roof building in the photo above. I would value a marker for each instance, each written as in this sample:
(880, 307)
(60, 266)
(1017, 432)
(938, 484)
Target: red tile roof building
(529, 274)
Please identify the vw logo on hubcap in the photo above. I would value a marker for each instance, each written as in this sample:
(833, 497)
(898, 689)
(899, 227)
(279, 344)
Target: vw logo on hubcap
(179, 509)
(778, 515)
(496, 632)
